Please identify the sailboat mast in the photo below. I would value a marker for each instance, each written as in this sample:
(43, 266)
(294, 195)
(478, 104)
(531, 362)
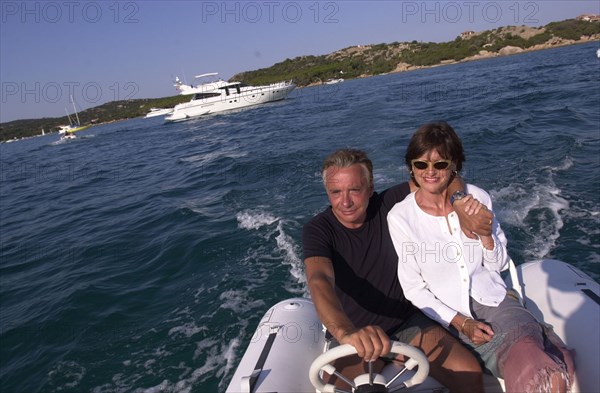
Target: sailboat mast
(69, 117)
(75, 109)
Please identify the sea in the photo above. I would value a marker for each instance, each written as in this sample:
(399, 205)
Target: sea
(141, 256)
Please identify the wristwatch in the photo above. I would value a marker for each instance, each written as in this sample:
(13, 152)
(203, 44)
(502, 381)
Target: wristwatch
(457, 196)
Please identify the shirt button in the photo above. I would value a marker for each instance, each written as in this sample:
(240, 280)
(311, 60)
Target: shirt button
(465, 280)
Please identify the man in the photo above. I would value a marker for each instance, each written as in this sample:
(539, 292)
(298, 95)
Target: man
(351, 270)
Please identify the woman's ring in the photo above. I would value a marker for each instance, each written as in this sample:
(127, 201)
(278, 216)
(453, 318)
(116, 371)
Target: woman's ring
(490, 223)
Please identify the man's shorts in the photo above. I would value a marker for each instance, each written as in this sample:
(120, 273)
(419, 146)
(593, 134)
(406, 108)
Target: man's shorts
(417, 323)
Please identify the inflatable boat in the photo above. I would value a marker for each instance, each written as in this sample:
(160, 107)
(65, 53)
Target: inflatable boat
(288, 351)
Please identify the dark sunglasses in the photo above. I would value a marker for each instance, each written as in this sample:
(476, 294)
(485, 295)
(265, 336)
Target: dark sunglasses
(439, 165)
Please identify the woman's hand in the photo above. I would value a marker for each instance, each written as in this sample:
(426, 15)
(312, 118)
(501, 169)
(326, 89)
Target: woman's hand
(478, 332)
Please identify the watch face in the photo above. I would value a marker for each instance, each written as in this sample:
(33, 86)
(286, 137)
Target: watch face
(458, 195)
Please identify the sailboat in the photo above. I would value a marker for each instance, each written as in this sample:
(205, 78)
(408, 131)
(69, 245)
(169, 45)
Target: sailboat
(72, 127)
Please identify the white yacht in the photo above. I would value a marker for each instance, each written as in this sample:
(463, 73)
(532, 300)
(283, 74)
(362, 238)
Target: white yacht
(219, 96)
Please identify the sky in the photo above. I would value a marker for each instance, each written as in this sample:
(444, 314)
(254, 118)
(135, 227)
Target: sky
(101, 51)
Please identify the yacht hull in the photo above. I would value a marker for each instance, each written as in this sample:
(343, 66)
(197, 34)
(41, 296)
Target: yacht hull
(249, 96)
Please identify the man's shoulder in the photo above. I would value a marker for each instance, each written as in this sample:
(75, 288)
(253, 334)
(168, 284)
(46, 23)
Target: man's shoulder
(318, 235)
(323, 219)
(394, 194)
(322, 215)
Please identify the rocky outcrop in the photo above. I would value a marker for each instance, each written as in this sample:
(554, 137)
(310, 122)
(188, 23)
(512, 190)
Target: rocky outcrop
(509, 50)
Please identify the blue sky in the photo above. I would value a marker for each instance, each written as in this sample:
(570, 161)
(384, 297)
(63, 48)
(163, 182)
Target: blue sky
(100, 51)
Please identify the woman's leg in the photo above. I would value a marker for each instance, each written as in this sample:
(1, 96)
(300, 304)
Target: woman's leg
(527, 368)
(519, 351)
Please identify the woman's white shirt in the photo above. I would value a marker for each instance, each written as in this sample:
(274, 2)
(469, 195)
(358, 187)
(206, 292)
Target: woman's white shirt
(440, 269)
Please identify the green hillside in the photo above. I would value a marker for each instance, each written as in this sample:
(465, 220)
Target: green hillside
(111, 111)
(368, 60)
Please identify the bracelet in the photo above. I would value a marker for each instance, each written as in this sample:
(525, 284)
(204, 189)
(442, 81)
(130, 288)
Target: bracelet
(462, 327)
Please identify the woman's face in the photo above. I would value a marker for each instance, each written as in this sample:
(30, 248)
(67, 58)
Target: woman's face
(432, 172)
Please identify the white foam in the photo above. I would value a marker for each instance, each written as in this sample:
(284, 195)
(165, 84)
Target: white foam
(565, 165)
(518, 202)
(237, 301)
(68, 370)
(254, 220)
(230, 357)
(286, 244)
(187, 329)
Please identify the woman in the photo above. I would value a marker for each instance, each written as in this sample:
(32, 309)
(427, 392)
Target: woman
(455, 279)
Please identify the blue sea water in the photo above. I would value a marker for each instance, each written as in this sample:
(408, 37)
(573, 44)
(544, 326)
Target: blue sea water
(141, 256)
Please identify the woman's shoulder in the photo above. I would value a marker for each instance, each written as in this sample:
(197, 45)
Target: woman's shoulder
(403, 207)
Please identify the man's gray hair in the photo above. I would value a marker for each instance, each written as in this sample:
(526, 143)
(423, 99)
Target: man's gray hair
(345, 158)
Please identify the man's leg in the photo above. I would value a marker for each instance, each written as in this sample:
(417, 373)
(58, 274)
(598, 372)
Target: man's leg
(450, 362)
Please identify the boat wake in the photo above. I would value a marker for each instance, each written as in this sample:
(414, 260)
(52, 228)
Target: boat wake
(285, 245)
(536, 208)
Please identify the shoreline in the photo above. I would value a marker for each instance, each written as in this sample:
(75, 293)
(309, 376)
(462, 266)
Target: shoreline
(504, 52)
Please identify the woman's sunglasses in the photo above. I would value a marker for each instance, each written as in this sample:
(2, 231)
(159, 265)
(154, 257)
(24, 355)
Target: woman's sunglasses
(439, 165)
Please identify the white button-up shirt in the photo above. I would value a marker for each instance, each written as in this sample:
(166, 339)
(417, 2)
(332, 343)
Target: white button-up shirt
(439, 269)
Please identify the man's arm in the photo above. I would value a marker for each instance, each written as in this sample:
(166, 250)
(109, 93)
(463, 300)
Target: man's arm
(370, 342)
(475, 219)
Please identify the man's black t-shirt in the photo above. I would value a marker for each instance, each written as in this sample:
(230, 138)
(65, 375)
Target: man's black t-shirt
(364, 261)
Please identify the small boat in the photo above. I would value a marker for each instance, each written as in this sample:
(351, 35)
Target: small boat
(68, 136)
(333, 81)
(219, 96)
(598, 53)
(159, 112)
(73, 126)
(288, 350)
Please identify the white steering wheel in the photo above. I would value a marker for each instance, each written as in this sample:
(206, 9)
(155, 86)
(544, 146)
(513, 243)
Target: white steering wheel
(323, 362)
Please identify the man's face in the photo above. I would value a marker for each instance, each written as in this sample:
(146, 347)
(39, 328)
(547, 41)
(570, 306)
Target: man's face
(349, 192)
